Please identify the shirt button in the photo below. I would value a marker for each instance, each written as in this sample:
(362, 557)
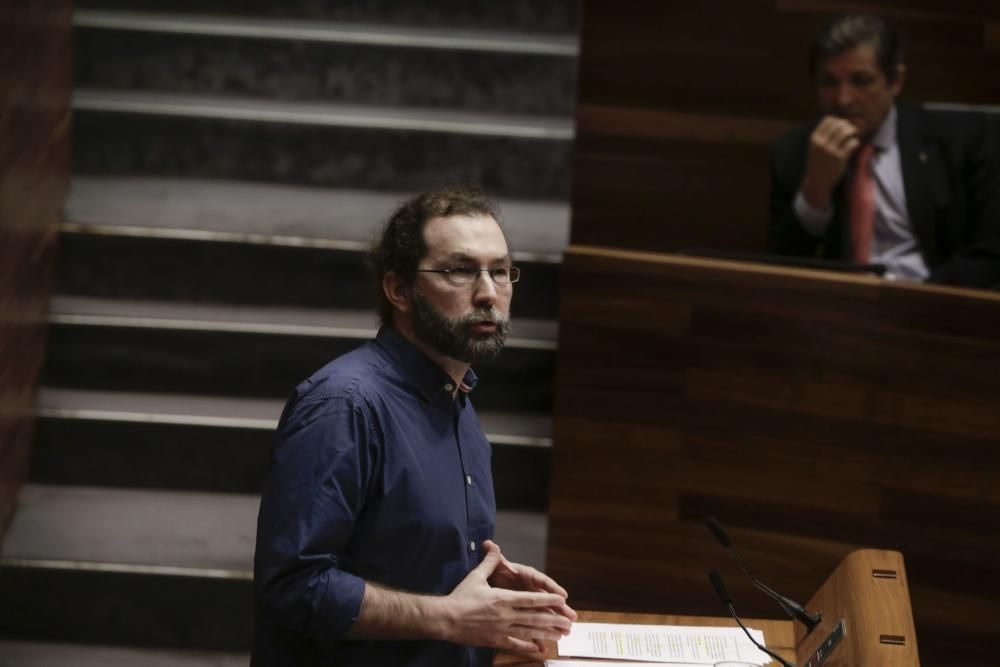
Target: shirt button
(472, 546)
(468, 480)
(449, 387)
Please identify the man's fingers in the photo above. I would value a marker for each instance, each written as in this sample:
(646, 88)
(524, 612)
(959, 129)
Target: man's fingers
(488, 564)
(830, 127)
(846, 144)
(844, 138)
(564, 610)
(531, 633)
(545, 623)
(511, 568)
(834, 125)
(838, 142)
(552, 618)
(504, 618)
(541, 581)
(515, 644)
(851, 145)
(545, 620)
(558, 614)
(489, 546)
(529, 600)
(833, 134)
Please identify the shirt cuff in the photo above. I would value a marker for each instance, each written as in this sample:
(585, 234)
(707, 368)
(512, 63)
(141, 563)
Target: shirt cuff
(814, 220)
(341, 604)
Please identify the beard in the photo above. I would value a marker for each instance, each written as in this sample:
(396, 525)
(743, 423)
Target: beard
(453, 337)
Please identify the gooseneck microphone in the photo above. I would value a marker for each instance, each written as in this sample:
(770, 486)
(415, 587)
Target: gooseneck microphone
(720, 590)
(791, 607)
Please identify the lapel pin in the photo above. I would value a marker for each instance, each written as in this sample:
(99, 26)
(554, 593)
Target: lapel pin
(923, 156)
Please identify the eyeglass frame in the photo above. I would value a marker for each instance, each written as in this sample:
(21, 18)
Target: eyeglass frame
(514, 273)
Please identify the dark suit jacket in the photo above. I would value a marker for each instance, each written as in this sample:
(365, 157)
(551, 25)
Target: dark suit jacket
(951, 177)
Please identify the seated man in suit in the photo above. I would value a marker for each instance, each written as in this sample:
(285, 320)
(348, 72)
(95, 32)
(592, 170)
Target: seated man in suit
(876, 181)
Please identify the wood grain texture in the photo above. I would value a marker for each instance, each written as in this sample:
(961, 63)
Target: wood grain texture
(992, 35)
(872, 606)
(812, 413)
(679, 101)
(961, 11)
(778, 635)
(34, 173)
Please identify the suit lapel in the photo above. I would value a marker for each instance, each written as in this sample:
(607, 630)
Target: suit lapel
(917, 162)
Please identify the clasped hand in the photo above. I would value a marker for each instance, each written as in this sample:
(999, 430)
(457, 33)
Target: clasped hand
(830, 148)
(508, 606)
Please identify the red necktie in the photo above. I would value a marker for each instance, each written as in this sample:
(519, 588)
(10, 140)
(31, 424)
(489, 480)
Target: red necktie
(863, 205)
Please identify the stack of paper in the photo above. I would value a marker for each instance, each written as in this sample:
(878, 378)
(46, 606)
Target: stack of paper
(658, 644)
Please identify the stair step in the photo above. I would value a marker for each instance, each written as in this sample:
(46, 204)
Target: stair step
(355, 324)
(251, 352)
(222, 444)
(539, 16)
(344, 64)
(129, 567)
(136, 263)
(248, 413)
(38, 654)
(322, 114)
(279, 214)
(343, 32)
(126, 567)
(115, 143)
(262, 244)
(208, 535)
(83, 603)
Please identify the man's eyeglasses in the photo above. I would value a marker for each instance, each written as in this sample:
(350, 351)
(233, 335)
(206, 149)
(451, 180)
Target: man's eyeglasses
(466, 275)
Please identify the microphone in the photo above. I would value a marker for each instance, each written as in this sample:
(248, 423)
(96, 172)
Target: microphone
(720, 590)
(791, 607)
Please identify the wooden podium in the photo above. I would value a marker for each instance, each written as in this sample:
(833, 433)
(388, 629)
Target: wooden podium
(865, 605)
(869, 593)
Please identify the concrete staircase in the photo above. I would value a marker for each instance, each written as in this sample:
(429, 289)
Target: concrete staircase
(232, 161)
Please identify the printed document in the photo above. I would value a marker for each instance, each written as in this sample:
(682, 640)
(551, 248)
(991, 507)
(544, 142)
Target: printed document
(694, 645)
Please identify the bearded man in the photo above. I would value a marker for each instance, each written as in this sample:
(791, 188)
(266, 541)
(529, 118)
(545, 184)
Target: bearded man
(374, 539)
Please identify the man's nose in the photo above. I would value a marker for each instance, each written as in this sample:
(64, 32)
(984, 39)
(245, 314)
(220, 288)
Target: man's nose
(485, 290)
(845, 95)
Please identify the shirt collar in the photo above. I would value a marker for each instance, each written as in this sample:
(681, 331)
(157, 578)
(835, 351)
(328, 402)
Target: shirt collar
(427, 377)
(886, 135)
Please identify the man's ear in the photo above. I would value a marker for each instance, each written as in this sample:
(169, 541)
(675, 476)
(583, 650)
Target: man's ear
(897, 84)
(396, 291)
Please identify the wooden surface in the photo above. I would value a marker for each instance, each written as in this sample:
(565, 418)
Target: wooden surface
(678, 102)
(34, 173)
(812, 413)
(778, 635)
(869, 591)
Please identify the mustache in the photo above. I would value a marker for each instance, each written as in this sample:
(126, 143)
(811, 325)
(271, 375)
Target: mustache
(485, 315)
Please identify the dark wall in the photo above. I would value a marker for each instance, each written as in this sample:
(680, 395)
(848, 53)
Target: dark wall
(678, 102)
(34, 174)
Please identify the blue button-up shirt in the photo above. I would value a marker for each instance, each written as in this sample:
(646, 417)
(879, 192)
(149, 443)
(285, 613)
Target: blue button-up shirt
(378, 473)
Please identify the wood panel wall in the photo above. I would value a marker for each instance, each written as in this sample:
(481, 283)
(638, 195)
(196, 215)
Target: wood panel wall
(35, 83)
(812, 413)
(678, 102)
